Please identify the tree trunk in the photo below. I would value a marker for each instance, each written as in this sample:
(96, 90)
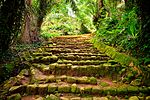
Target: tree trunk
(144, 36)
(30, 33)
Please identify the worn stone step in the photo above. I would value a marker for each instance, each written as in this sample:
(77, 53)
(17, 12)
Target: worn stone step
(71, 46)
(44, 59)
(41, 78)
(82, 62)
(64, 50)
(105, 69)
(71, 96)
(83, 54)
(77, 57)
(62, 87)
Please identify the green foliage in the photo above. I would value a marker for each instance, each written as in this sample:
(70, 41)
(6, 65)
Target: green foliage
(49, 35)
(120, 30)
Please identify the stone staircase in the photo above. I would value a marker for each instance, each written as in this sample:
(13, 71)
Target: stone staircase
(70, 68)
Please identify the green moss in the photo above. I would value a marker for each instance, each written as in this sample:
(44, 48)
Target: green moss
(133, 98)
(64, 88)
(14, 97)
(52, 88)
(73, 88)
(32, 89)
(92, 80)
(122, 90)
(51, 97)
(82, 80)
(75, 98)
(42, 89)
(71, 79)
(103, 84)
(96, 90)
(87, 90)
(132, 89)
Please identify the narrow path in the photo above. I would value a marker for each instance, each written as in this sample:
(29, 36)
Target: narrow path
(70, 68)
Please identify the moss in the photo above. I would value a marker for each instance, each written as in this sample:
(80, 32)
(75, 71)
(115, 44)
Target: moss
(64, 98)
(143, 90)
(133, 98)
(52, 88)
(31, 89)
(92, 80)
(96, 90)
(110, 91)
(42, 89)
(64, 88)
(73, 88)
(51, 97)
(71, 79)
(100, 98)
(132, 89)
(87, 90)
(14, 97)
(122, 90)
(75, 98)
(148, 98)
(82, 80)
(87, 98)
(103, 84)
(16, 89)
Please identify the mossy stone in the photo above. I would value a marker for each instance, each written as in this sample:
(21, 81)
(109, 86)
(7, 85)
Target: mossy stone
(42, 89)
(100, 98)
(31, 89)
(87, 98)
(96, 90)
(52, 88)
(75, 98)
(64, 98)
(14, 97)
(51, 97)
(73, 88)
(86, 90)
(103, 84)
(16, 89)
(148, 98)
(71, 79)
(132, 89)
(133, 98)
(92, 80)
(82, 80)
(64, 88)
(122, 90)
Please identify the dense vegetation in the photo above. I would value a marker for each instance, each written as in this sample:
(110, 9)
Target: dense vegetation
(119, 23)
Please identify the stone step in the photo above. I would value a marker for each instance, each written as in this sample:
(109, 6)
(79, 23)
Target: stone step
(41, 78)
(71, 46)
(105, 69)
(64, 50)
(71, 96)
(82, 62)
(83, 54)
(62, 87)
(77, 57)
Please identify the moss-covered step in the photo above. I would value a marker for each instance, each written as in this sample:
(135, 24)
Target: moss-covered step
(34, 54)
(64, 50)
(84, 54)
(82, 62)
(63, 87)
(105, 69)
(40, 78)
(72, 46)
(73, 57)
(44, 59)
